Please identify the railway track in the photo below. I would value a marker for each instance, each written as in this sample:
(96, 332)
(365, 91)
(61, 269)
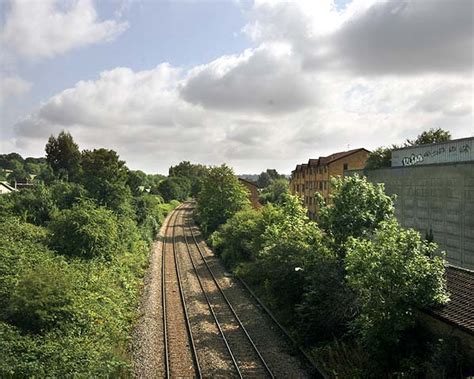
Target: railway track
(180, 355)
(246, 357)
(206, 332)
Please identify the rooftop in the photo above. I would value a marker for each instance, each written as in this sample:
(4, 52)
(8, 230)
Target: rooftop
(459, 311)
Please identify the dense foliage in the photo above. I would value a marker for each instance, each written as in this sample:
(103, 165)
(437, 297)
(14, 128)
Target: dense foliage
(221, 196)
(356, 278)
(73, 250)
(275, 191)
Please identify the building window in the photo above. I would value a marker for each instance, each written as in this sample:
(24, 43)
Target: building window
(346, 166)
(325, 169)
(320, 185)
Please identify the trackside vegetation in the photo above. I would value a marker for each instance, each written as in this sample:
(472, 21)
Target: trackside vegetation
(73, 251)
(347, 286)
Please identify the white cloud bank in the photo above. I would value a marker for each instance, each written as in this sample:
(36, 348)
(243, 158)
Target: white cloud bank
(37, 29)
(13, 86)
(318, 80)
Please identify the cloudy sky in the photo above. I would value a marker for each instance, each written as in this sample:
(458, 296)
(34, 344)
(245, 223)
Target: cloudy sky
(256, 84)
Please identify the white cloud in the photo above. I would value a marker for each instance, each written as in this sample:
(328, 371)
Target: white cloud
(303, 91)
(265, 80)
(43, 29)
(12, 86)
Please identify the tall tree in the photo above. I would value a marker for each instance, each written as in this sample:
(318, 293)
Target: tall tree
(220, 198)
(63, 155)
(430, 136)
(105, 177)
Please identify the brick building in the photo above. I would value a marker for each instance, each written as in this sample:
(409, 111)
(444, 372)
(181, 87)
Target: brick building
(314, 176)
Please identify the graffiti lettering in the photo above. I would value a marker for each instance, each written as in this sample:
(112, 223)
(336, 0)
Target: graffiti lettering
(465, 148)
(412, 160)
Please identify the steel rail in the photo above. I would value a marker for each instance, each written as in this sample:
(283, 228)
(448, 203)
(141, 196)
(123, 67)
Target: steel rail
(164, 297)
(230, 305)
(234, 361)
(183, 300)
(318, 371)
(163, 300)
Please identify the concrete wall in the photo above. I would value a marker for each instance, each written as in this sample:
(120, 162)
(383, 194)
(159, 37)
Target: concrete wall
(440, 197)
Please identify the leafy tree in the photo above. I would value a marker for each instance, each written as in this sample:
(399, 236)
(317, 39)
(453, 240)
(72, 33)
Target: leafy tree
(289, 241)
(193, 172)
(66, 194)
(357, 208)
(11, 161)
(135, 180)
(264, 180)
(105, 178)
(35, 205)
(275, 192)
(174, 188)
(380, 158)
(63, 155)
(86, 231)
(220, 198)
(430, 136)
(239, 239)
(393, 274)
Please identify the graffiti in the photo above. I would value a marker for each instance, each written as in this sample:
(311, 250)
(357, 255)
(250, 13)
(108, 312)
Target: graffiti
(465, 148)
(452, 148)
(412, 160)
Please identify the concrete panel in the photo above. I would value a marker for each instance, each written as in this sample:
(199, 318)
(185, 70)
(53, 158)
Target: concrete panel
(439, 196)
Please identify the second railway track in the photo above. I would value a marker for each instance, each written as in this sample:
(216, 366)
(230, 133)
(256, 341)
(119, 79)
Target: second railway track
(206, 329)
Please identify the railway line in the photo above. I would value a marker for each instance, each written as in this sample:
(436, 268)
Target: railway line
(206, 332)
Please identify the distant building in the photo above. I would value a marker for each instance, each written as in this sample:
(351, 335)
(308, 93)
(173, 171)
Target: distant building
(6, 188)
(253, 192)
(314, 176)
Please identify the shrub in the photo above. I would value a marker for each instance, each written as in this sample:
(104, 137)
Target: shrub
(238, 240)
(43, 297)
(392, 276)
(34, 205)
(86, 231)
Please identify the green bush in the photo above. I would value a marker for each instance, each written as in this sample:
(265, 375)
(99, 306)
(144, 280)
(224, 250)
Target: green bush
(43, 297)
(393, 275)
(87, 231)
(34, 205)
(239, 239)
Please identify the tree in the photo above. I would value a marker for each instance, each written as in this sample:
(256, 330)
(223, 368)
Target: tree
(192, 172)
(239, 239)
(34, 205)
(220, 198)
(264, 180)
(86, 231)
(174, 188)
(105, 178)
(136, 181)
(380, 158)
(392, 274)
(63, 155)
(275, 192)
(430, 136)
(357, 208)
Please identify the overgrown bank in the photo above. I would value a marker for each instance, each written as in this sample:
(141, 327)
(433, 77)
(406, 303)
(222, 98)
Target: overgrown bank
(348, 286)
(73, 250)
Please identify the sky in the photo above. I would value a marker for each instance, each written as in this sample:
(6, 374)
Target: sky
(255, 84)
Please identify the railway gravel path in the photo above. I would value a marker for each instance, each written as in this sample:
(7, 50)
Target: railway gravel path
(223, 339)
